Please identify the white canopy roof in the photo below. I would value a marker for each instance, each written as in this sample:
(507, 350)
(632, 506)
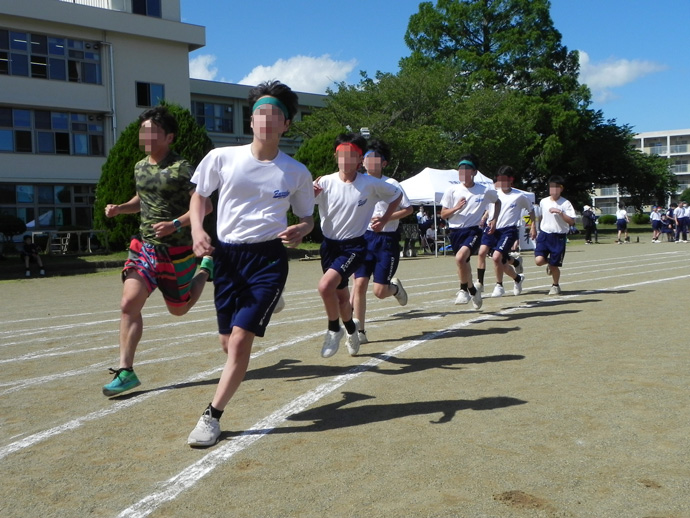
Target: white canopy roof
(428, 186)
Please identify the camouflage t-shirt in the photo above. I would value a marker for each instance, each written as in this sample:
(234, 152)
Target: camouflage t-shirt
(164, 189)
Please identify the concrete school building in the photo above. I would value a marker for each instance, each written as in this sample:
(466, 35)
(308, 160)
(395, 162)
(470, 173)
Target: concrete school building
(74, 74)
(674, 145)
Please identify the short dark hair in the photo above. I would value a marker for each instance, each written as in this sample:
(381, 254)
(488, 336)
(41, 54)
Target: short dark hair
(161, 117)
(556, 179)
(505, 170)
(472, 158)
(381, 148)
(278, 90)
(353, 138)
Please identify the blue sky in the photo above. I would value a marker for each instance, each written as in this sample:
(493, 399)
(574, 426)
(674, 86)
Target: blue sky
(633, 53)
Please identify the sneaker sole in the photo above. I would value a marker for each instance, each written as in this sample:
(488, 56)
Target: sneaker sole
(198, 444)
(110, 392)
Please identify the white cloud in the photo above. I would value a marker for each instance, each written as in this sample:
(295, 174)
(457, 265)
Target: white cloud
(201, 67)
(303, 73)
(603, 77)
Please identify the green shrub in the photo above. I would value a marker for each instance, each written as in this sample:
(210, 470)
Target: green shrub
(640, 218)
(116, 184)
(607, 219)
(11, 226)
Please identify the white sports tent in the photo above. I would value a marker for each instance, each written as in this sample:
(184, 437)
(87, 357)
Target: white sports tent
(427, 188)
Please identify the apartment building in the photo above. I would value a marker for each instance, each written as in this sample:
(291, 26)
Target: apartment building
(674, 145)
(73, 75)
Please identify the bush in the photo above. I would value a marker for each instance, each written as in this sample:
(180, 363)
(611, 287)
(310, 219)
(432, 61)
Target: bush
(607, 219)
(116, 184)
(11, 226)
(640, 218)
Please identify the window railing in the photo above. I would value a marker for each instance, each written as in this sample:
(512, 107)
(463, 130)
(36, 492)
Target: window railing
(657, 150)
(679, 148)
(114, 5)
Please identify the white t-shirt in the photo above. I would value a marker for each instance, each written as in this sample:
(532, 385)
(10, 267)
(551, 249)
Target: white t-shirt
(513, 204)
(346, 208)
(478, 199)
(554, 223)
(655, 216)
(622, 214)
(382, 207)
(679, 212)
(254, 196)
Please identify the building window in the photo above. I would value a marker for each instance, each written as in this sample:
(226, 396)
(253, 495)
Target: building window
(247, 120)
(49, 57)
(147, 7)
(213, 117)
(51, 132)
(46, 206)
(149, 94)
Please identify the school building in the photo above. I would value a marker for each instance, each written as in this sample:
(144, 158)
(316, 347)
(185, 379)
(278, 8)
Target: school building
(674, 145)
(74, 74)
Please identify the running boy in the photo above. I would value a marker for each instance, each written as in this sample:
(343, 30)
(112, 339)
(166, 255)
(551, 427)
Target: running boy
(463, 205)
(513, 203)
(162, 257)
(557, 214)
(383, 248)
(257, 184)
(347, 201)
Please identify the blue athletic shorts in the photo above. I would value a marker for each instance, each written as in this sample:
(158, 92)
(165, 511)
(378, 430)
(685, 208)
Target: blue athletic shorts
(470, 237)
(488, 239)
(551, 247)
(248, 280)
(343, 256)
(505, 239)
(621, 224)
(383, 256)
(656, 224)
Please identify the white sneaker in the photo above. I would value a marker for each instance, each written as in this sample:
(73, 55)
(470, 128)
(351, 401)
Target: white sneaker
(463, 297)
(477, 300)
(280, 305)
(555, 290)
(517, 288)
(362, 337)
(479, 287)
(205, 433)
(401, 295)
(353, 340)
(498, 291)
(331, 342)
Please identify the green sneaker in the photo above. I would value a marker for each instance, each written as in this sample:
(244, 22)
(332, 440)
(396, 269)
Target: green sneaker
(207, 266)
(124, 380)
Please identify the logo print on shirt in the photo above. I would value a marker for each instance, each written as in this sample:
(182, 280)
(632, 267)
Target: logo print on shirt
(361, 202)
(281, 194)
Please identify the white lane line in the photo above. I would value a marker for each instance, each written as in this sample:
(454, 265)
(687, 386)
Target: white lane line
(121, 405)
(188, 477)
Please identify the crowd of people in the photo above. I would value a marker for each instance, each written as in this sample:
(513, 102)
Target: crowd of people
(359, 208)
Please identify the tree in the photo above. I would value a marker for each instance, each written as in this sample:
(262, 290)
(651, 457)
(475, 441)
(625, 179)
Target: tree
(116, 184)
(10, 226)
(494, 42)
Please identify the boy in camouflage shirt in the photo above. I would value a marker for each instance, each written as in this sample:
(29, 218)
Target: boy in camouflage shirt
(162, 257)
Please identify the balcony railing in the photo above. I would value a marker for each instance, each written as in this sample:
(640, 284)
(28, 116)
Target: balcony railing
(113, 5)
(656, 150)
(680, 148)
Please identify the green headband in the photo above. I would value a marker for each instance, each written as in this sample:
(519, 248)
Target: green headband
(275, 102)
(467, 162)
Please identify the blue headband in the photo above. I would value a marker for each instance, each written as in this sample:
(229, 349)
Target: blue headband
(467, 162)
(372, 152)
(275, 102)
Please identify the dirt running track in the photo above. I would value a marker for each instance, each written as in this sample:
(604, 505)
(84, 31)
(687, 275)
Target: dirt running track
(535, 406)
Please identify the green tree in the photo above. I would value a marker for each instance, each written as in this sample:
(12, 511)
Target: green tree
(685, 196)
(10, 226)
(494, 42)
(116, 184)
